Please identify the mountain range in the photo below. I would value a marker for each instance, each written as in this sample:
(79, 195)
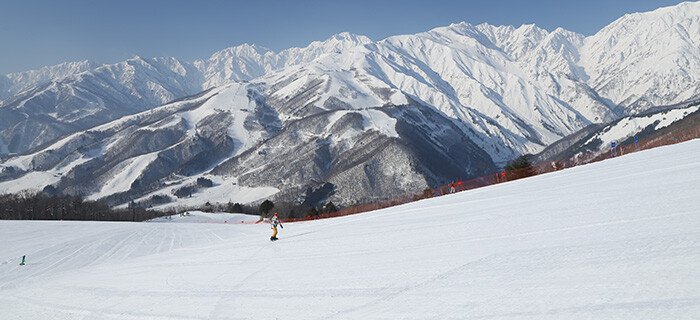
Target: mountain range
(347, 119)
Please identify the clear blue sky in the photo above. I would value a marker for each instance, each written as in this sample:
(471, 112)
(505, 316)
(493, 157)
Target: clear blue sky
(39, 33)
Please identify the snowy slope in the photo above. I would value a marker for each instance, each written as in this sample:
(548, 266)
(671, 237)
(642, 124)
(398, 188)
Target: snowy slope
(629, 126)
(618, 239)
(642, 127)
(206, 217)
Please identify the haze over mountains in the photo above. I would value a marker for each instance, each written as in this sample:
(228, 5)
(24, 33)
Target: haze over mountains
(349, 118)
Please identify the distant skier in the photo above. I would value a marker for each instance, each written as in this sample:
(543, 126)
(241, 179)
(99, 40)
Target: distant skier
(274, 222)
(22, 263)
(452, 188)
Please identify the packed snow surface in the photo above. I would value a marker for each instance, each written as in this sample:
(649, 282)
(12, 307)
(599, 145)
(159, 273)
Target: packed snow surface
(618, 239)
(216, 217)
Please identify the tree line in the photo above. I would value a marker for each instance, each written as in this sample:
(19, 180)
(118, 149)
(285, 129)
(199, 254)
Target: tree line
(38, 206)
(285, 210)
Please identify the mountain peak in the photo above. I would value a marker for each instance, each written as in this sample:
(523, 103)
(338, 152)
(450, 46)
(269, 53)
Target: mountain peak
(686, 8)
(20, 81)
(667, 16)
(243, 50)
(348, 38)
(64, 67)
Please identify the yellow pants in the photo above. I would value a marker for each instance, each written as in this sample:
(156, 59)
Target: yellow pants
(274, 231)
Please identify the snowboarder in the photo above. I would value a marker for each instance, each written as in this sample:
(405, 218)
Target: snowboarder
(274, 222)
(22, 263)
(452, 188)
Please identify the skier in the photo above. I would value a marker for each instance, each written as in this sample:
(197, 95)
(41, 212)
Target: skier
(274, 222)
(22, 263)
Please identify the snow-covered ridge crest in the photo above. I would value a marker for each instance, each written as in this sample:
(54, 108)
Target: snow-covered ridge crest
(246, 62)
(14, 83)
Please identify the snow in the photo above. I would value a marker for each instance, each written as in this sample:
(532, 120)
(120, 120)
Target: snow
(37, 180)
(373, 120)
(381, 121)
(630, 126)
(224, 190)
(618, 239)
(202, 217)
(125, 174)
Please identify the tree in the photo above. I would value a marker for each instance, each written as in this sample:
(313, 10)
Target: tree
(50, 191)
(519, 167)
(204, 183)
(330, 207)
(266, 206)
(428, 193)
(184, 192)
(313, 212)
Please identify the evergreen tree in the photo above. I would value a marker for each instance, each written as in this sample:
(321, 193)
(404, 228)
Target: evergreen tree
(266, 206)
(428, 193)
(313, 212)
(518, 168)
(330, 207)
(204, 183)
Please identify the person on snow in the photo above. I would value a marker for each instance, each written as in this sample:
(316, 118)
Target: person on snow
(274, 222)
(22, 263)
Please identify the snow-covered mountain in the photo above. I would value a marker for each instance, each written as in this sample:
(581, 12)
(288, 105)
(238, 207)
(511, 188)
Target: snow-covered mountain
(646, 59)
(15, 83)
(244, 135)
(53, 102)
(82, 100)
(246, 62)
(377, 118)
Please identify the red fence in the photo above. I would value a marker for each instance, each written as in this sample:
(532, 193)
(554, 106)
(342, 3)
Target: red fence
(517, 174)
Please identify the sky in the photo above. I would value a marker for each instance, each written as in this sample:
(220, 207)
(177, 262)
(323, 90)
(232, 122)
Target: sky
(36, 33)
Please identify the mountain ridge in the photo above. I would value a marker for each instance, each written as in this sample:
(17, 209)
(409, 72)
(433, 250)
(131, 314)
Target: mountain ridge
(498, 91)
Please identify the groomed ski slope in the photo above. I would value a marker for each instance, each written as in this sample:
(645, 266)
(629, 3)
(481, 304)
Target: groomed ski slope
(618, 239)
